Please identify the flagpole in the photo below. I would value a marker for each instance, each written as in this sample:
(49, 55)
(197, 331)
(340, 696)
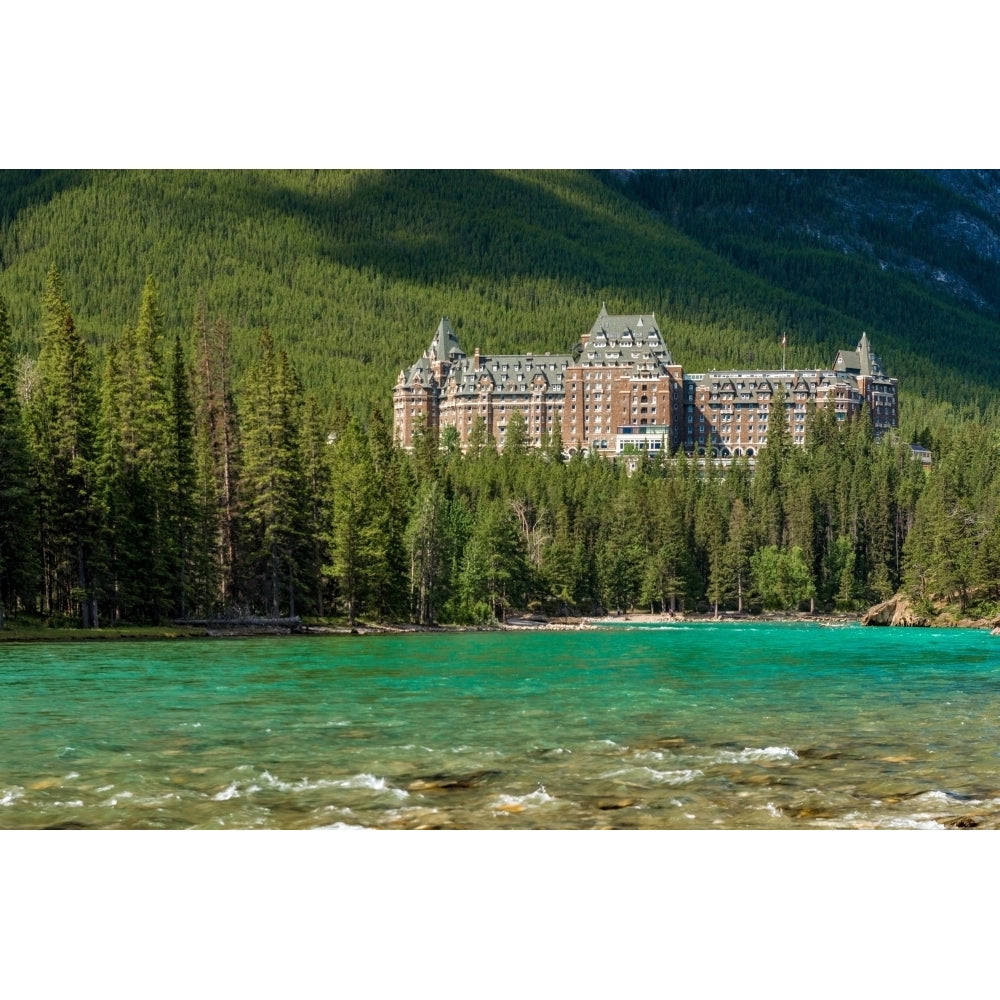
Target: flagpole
(783, 341)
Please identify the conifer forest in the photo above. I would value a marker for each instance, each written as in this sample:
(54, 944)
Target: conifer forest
(182, 441)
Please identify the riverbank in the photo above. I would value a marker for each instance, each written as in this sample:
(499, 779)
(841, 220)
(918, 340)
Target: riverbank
(18, 631)
(726, 617)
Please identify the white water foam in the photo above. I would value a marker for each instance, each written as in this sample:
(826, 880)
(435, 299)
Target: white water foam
(941, 796)
(862, 821)
(752, 755)
(113, 801)
(12, 795)
(364, 780)
(911, 823)
(679, 777)
(538, 797)
(230, 792)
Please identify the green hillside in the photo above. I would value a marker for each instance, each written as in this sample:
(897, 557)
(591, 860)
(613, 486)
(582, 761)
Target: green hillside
(146, 476)
(351, 271)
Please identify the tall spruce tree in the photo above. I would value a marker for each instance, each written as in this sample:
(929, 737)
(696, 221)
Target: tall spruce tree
(136, 469)
(17, 511)
(182, 482)
(217, 464)
(62, 414)
(273, 483)
(315, 447)
(354, 495)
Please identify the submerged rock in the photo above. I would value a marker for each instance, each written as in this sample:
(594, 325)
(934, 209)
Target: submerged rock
(451, 782)
(609, 804)
(961, 823)
(671, 742)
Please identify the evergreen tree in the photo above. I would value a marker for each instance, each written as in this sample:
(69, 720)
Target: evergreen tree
(516, 440)
(552, 446)
(738, 552)
(61, 416)
(273, 485)
(354, 495)
(182, 479)
(769, 510)
(620, 555)
(494, 574)
(136, 470)
(217, 465)
(425, 537)
(316, 469)
(17, 511)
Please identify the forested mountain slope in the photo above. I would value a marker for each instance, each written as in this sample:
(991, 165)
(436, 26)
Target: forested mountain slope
(351, 271)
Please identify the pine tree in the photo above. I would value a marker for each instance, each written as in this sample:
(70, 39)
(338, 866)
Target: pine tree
(136, 467)
(387, 528)
(315, 448)
(738, 551)
(61, 417)
(354, 495)
(494, 574)
(425, 537)
(17, 511)
(182, 480)
(516, 438)
(620, 555)
(217, 464)
(273, 484)
(552, 446)
(768, 504)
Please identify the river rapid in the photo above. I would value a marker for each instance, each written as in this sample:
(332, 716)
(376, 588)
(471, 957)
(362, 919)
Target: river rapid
(636, 726)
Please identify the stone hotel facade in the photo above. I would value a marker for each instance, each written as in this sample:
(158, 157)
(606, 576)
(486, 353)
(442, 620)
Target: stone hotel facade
(623, 393)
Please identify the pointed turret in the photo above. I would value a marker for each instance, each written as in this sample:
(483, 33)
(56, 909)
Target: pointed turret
(444, 346)
(864, 355)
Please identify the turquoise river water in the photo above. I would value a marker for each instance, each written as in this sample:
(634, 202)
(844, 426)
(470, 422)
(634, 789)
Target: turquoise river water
(673, 726)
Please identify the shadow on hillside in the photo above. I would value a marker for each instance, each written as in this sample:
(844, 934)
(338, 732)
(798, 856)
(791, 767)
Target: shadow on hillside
(471, 225)
(22, 189)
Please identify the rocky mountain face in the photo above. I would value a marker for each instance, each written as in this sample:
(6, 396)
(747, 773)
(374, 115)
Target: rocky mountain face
(939, 227)
(937, 233)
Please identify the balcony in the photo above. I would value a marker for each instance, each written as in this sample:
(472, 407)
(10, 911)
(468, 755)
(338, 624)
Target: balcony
(658, 430)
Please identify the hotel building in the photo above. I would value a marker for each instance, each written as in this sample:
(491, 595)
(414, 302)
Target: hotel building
(623, 393)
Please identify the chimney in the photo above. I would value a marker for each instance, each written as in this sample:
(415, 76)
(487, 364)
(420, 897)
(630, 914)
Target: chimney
(475, 366)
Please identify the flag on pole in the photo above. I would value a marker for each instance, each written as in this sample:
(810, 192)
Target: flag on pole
(784, 339)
